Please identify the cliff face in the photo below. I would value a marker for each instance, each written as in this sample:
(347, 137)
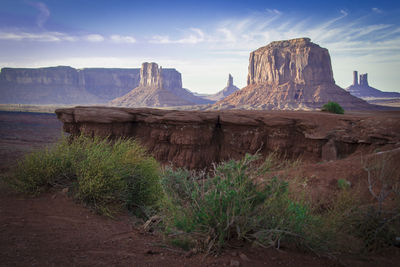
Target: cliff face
(298, 60)
(158, 87)
(65, 85)
(364, 91)
(43, 76)
(153, 76)
(173, 136)
(108, 83)
(292, 74)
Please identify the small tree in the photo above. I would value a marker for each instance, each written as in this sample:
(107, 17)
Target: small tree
(333, 107)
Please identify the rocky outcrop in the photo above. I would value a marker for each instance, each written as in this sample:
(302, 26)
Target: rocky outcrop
(108, 83)
(228, 90)
(292, 74)
(196, 139)
(158, 87)
(299, 61)
(65, 85)
(364, 91)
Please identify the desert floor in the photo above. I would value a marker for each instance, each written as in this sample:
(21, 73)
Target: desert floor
(55, 230)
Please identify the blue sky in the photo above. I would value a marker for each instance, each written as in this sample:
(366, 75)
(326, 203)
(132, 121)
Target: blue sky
(204, 40)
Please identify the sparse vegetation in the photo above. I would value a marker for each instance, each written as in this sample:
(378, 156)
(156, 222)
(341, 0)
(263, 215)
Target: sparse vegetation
(103, 174)
(230, 205)
(378, 224)
(343, 184)
(333, 107)
(234, 201)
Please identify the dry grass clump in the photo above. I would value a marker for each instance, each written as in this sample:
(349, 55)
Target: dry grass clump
(103, 174)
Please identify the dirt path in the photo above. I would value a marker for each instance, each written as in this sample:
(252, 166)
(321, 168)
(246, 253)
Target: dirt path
(53, 230)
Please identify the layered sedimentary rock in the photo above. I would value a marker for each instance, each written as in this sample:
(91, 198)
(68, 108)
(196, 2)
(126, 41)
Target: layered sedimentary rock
(228, 90)
(292, 74)
(158, 87)
(108, 83)
(65, 85)
(196, 139)
(363, 90)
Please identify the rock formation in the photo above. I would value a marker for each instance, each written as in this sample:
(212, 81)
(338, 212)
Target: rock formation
(158, 87)
(364, 91)
(174, 136)
(65, 85)
(228, 90)
(292, 74)
(109, 83)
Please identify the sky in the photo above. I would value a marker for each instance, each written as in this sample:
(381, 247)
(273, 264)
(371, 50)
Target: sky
(203, 40)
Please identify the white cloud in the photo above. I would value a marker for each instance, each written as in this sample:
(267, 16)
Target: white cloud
(94, 38)
(47, 36)
(344, 12)
(377, 10)
(41, 37)
(274, 11)
(44, 13)
(116, 38)
(192, 36)
(353, 42)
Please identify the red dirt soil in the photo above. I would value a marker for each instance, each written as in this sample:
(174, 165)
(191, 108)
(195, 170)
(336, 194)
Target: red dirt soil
(54, 230)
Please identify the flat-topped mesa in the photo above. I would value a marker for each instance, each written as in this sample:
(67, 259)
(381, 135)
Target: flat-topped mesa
(297, 60)
(65, 85)
(290, 75)
(153, 76)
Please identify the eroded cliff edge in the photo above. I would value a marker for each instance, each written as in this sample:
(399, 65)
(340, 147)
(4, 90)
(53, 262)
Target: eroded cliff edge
(196, 139)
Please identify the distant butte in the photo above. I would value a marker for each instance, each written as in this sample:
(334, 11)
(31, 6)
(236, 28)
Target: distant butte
(290, 75)
(227, 91)
(363, 90)
(158, 87)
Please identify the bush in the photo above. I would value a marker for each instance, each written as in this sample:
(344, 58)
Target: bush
(106, 175)
(373, 225)
(229, 205)
(378, 224)
(333, 107)
(343, 184)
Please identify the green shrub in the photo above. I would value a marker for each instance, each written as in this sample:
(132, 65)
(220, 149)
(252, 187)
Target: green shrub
(343, 184)
(333, 107)
(42, 169)
(376, 229)
(106, 175)
(229, 205)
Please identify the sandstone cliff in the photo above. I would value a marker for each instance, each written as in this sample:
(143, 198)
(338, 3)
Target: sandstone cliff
(65, 85)
(228, 90)
(158, 87)
(108, 83)
(196, 139)
(293, 74)
(363, 90)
